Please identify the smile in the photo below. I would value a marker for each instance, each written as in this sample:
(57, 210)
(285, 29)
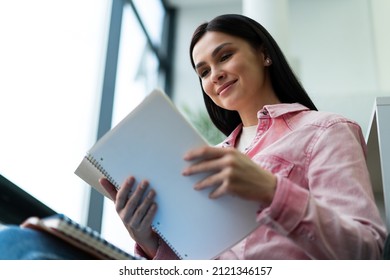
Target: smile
(224, 87)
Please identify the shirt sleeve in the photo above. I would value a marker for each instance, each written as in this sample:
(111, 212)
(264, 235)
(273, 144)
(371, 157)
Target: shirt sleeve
(335, 217)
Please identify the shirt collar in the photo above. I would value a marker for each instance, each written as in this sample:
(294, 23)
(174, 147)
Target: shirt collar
(273, 111)
(277, 110)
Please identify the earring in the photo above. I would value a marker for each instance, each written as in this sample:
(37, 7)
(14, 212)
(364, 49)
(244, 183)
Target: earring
(268, 61)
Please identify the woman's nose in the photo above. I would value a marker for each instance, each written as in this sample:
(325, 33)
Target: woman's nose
(218, 75)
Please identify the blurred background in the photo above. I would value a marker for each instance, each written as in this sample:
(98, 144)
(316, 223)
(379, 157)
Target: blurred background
(69, 70)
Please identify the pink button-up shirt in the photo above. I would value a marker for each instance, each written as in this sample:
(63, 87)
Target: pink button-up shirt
(323, 206)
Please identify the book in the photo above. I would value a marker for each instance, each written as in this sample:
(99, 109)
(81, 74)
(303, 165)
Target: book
(79, 236)
(149, 143)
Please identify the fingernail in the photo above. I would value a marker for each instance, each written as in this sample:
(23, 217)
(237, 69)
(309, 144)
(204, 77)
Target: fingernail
(143, 185)
(130, 181)
(187, 156)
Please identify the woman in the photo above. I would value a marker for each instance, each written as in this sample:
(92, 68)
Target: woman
(305, 168)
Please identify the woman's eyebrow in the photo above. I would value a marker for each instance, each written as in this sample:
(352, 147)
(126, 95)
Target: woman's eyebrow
(217, 49)
(213, 54)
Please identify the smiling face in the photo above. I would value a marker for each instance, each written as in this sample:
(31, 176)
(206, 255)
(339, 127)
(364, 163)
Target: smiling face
(233, 74)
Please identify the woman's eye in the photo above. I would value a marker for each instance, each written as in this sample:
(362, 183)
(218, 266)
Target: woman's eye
(226, 56)
(203, 73)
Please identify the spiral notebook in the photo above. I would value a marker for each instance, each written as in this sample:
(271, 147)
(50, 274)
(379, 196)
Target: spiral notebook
(82, 237)
(149, 143)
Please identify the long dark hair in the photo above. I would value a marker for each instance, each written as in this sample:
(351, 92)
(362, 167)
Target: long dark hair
(285, 84)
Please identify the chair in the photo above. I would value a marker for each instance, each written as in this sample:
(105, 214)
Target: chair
(16, 205)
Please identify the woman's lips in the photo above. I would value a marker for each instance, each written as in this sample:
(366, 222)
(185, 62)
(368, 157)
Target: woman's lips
(224, 87)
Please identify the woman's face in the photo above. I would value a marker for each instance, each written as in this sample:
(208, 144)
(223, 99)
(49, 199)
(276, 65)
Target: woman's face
(232, 72)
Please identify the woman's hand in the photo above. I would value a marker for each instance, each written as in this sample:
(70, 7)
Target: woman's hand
(232, 173)
(136, 210)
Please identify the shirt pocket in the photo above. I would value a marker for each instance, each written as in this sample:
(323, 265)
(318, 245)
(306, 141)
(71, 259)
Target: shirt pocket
(274, 164)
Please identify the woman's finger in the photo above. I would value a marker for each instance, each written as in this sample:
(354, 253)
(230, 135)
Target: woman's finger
(204, 153)
(109, 188)
(142, 209)
(134, 201)
(123, 193)
(218, 159)
(203, 166)
(148, 218)
(213, 180)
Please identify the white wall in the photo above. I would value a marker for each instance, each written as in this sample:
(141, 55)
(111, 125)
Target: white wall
(381, 24)
(332, 42)
(338, 49)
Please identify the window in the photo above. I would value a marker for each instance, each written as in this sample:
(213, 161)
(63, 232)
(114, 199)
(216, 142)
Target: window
(51, 65)
(137, 73)
(139, 70)
(152, 19)
(53, 59)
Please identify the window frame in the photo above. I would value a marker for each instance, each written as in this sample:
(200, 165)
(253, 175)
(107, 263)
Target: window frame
(164, 54)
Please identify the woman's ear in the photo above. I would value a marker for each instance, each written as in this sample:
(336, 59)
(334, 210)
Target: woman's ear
(267, 61)
(264, 55)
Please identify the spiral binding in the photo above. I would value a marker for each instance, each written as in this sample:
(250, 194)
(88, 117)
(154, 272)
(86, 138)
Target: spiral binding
(87, 231)
(99, 167)
(154, 226)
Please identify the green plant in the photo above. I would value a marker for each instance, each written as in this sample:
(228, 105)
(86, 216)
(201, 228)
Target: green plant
(201, 121)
